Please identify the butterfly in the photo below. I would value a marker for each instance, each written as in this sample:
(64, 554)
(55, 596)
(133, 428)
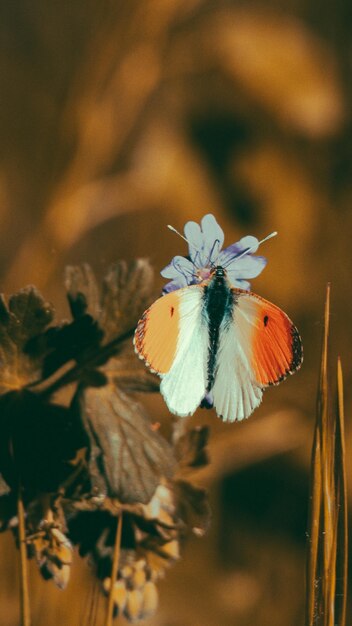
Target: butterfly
(217, 342)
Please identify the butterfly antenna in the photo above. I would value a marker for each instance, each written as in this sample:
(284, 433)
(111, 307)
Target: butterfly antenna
(273, 234)
(177, 233)
(189, 244)
(184, 238)
(247, 250)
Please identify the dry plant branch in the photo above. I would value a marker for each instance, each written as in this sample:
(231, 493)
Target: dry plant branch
(342, 529)
(114, 569)
(327, 554)
(24, 590)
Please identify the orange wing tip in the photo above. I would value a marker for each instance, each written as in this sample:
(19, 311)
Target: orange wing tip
(297, 358)
(138, 342)
(143, 358)
(139, 334)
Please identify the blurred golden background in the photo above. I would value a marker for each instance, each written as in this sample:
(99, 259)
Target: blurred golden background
(118, 118)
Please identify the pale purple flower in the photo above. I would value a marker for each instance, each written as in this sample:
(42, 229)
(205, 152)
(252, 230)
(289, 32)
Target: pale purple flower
(204, 244)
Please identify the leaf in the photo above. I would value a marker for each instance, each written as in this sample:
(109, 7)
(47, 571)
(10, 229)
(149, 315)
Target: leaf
(82, 291)
(53, 553)
(60, 344)
(129, 373)
(193, 506)
(191, 447)
(26, 315)
(38, 441)
(126, 457)
(126, 293)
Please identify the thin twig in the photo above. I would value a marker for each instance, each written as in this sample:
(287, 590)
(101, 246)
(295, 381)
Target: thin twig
(318, 482)
(114, 569)
(342, 528)
(24, 590)
(328, 533)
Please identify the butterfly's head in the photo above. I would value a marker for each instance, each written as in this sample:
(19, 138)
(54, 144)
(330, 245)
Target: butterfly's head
(218, 271)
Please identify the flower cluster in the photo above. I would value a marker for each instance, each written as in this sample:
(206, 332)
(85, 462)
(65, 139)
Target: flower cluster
(205, 252)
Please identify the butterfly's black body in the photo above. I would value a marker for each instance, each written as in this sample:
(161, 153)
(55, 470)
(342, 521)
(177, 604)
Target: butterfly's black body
(218, 306)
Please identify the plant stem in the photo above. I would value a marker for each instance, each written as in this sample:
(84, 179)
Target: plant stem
(115, 565)
(24, 591)
(52, 383)
(316, 550)
(342, 503)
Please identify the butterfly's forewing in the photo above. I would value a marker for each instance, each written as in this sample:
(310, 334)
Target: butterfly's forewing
(172, 337)
(268, 337)
(157, 332)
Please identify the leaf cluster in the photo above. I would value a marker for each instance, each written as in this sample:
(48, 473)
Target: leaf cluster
(82, 458)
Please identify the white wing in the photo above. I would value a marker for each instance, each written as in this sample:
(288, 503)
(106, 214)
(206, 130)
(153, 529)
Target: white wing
(184, 385)
(235, 392)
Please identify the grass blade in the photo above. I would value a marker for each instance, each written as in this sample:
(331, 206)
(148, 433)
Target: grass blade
(341, 494)
(327, 532)
(314, 608)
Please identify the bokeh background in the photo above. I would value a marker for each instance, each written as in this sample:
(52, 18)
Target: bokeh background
(118, 118)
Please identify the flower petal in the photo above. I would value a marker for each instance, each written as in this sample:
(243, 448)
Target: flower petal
(238, 248)
(175, 284)
(181, 271)
(247, 266)
(213, 238)
(179, 265)
(194, 237)
(204, 241)
(239, 283)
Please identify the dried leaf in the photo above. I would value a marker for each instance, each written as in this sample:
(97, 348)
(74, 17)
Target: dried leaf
(60, 344)
(82, 291)
(38, 440)
(53, 553)
(129, 373)
(191, 447)
(126, 457)
(193, 506)
(126, 292)
(26, 315)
